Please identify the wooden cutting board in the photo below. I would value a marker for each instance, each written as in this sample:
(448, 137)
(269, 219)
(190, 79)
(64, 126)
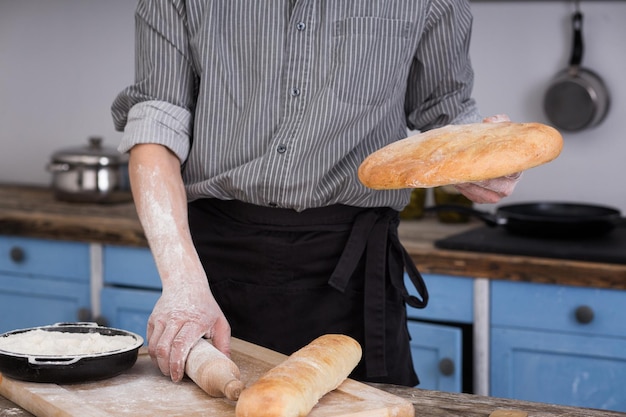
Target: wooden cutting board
(144, 391)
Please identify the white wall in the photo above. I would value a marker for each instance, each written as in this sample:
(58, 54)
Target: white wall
(517, 48)
(61, 64)
(63, 61)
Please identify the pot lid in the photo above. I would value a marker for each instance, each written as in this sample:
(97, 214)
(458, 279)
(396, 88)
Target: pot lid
(94, 153)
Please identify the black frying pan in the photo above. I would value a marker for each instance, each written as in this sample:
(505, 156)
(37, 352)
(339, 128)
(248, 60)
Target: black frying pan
(70, 368)
(548, 219)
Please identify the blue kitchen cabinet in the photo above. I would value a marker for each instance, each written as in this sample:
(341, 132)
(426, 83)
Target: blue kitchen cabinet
(43, 282)
(437, 355)
(437, 341)
(131, 287)
(128, 309)
(558, 344)
(130, 267)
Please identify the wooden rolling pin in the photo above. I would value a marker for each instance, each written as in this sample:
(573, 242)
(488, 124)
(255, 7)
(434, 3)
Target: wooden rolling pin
(213, 371)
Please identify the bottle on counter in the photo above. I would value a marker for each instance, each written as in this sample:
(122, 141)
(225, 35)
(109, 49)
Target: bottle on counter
(415, 208)
(449, 195)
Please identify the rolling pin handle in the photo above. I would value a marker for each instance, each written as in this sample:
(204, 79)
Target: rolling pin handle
(233, 388)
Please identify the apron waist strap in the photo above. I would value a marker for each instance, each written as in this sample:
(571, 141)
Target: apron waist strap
(372, 235)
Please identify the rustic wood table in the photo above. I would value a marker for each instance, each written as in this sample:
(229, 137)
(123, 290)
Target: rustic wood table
(435, 404)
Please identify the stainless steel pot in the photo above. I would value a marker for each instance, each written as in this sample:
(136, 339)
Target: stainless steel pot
(90, 174)
(577, 97)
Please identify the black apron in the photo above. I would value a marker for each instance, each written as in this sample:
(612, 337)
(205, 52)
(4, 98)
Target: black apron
(283, 278)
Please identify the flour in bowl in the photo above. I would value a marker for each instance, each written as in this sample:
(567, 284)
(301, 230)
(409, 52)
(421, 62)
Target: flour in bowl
(41, 342)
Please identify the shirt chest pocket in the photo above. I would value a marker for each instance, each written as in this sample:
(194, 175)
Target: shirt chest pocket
(370, 57)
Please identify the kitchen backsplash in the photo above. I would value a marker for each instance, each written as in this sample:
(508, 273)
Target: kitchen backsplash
(63, 61)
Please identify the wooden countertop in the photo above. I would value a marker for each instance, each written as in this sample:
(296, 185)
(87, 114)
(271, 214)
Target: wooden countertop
(33, 212)
(418, 237)
(436, 404)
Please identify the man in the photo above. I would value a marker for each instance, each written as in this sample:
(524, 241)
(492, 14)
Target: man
(258, 114)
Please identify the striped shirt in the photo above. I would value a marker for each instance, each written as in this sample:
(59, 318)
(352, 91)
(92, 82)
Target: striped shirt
(276, 103)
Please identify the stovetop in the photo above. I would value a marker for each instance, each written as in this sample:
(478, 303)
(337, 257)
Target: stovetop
(610, 248)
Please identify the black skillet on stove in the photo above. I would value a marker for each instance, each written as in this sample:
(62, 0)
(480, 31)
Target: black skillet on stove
(548, 219)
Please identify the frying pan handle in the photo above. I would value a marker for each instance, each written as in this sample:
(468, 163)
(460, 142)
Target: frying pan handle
(577, 50)
(33, 360)
(488, 218)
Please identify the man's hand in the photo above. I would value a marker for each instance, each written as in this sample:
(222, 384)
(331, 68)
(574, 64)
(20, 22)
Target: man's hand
(489, 191)
(493, 190)
(179, 319)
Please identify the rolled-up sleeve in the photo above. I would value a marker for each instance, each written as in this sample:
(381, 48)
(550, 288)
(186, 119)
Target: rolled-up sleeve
(158, 122)
(158, 107)
(441, 78)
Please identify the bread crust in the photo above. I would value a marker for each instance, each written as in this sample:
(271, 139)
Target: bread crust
(457, 154)
(292, 388)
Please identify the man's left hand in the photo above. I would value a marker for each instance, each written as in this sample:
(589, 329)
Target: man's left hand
(493, 190)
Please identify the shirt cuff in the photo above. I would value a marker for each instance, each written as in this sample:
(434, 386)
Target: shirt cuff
(468, 114)
(160, 123)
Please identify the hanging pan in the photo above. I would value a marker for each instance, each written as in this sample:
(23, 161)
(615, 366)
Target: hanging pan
(577, 98)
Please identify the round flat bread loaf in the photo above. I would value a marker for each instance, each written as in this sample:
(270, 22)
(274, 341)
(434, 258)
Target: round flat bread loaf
(457, 154)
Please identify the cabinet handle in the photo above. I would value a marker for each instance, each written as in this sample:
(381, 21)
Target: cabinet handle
(85, 315)
(584, 314)
(101, 321)
(17, 254)
(446, 366)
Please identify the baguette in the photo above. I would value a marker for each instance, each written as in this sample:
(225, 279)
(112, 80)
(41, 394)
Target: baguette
(457, 154)
(292, 388)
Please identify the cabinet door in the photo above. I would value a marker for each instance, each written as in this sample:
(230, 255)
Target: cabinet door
(29, 302)
(559, 368)
(128, 309)
(437, 358)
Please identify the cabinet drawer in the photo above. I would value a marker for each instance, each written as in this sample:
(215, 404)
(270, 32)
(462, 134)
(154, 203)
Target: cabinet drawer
(129, 266)
(450, 298)
(568, 309)
(46, 258)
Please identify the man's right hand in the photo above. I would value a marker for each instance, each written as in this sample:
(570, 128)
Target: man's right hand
(179, 319)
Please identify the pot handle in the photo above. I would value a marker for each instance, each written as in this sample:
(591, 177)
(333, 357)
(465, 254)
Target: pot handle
(577, 49)
(34, 360)
(489, 219)
(58, 167)
(75, 323)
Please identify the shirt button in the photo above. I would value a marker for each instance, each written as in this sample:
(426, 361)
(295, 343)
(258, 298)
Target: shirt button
(281, 148)
(295, 92)
(301, 26)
